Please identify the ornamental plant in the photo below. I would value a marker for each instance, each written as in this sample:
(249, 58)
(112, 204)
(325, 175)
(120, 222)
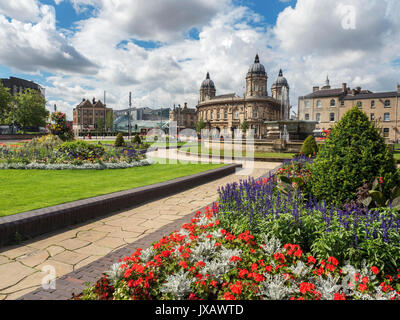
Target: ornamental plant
(205, 261)
(352, 233)
(119, 140)
(309, 147)
(60, 127)
(355, 153)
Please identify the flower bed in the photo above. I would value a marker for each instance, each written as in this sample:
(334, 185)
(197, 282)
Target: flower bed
(50, 152)
(83, 166)
(352, 233)
(205, 261)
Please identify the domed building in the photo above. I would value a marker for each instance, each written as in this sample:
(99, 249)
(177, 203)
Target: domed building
(227, 112)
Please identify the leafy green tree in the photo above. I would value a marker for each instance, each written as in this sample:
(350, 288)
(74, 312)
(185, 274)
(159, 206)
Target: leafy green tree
(30, 109)
(354, 154)
(309, 147)
(5, 104)
(110, 121)
(100, 124)
(200, 126)
(244, 126)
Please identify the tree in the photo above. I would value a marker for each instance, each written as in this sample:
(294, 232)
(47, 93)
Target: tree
(100, 124)
(200, 126)
(30, 109)
(5, 104)
(354, 154)
(110, 121)
(244, 126)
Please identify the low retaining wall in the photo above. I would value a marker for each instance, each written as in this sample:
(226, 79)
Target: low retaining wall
(36, 222)
(20, 136)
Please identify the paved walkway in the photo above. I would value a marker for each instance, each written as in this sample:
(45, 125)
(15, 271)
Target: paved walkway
(69, 249)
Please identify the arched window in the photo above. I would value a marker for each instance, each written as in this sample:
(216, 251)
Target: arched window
(387, 103)
(332, 117)
(236, 114)
(333, 102)
(225, 114)
(318, 117)
(255, 113)
(319, 104)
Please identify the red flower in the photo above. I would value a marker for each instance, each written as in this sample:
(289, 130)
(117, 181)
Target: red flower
(236, 288)
(228, 296)
(333, 260)
(254, 267)
(330, 267)
(268, 268)
(183, 264)
(375, 270)
(234, 258)
(242, 273)
(306, 287)
(311, 259)
(339, 296)
(362, 287)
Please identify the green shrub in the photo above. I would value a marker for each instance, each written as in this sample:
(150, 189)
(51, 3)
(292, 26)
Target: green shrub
(119, 141)
(81, 150)
(136, 139)
(309, 147)
(354, 154)
(48, 141)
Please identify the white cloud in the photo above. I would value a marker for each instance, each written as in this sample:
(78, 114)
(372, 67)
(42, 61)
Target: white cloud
(31, 47)
(308, 42)
(22, 10)
(311, 41)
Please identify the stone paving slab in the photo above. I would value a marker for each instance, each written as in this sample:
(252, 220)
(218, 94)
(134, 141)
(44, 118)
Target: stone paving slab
(92, 243)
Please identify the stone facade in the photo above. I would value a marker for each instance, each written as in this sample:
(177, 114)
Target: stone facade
(327, 106)
(185, 117)
(87, 113)
(17, 85)
(227, 112)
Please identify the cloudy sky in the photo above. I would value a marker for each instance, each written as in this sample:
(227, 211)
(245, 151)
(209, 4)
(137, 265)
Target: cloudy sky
(161, 50)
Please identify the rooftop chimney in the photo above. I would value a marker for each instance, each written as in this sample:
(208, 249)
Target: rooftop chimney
(344, 87)
(398, 88)
(358, 89)
(315, 89)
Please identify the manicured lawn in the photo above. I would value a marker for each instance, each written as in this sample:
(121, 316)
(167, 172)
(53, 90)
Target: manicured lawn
(24, 190)
(238, 153)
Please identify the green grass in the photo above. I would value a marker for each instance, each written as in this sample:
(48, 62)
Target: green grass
(207, 151)
(24, 190)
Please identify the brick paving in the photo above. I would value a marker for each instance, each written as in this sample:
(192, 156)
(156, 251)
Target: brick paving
(96, 244)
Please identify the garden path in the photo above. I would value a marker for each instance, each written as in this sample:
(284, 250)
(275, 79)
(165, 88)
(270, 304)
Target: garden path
(21, 266)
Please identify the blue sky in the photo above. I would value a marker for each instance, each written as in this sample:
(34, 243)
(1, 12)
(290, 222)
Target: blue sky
(161, 50)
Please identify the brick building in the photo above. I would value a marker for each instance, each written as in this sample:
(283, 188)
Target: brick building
(87, 114)
(185, 117)
(328, 105)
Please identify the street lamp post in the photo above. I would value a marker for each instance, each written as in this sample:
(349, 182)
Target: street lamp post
(129, 115)
(179, 118)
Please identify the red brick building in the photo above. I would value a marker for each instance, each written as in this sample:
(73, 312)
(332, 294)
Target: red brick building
(87, 114)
